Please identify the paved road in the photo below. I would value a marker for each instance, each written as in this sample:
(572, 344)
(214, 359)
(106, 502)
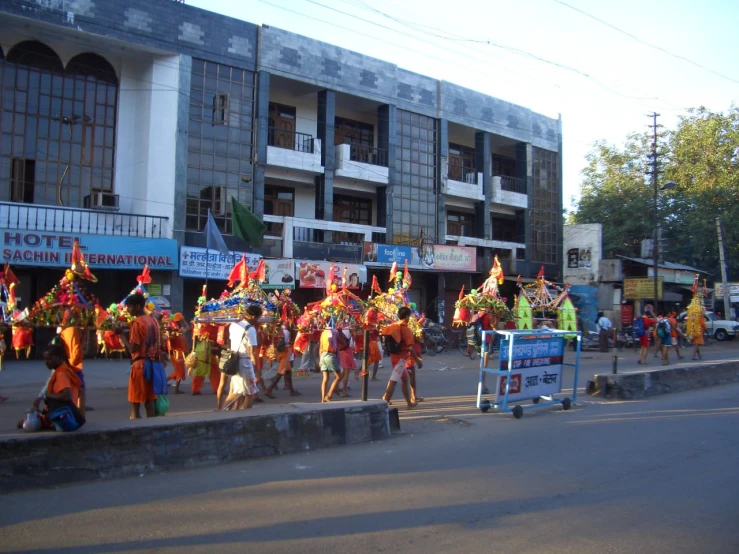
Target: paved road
(447, 381)
(656, 476)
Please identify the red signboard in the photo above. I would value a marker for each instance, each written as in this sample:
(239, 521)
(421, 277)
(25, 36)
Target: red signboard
(627, 314)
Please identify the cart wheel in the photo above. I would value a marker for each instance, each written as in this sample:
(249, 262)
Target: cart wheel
(566, 404)
(485, 406)
(517, 412)
(536, 400)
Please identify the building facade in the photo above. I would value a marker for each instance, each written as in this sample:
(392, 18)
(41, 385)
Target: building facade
(124, 124)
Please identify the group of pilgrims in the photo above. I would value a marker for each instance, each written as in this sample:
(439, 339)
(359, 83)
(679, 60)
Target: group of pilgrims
(249, 340)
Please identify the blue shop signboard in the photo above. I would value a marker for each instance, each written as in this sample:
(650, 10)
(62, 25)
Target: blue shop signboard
(51, 249)
(386, 254)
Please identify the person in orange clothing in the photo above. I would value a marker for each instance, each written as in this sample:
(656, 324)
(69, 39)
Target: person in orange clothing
(403, 337)
(675, 333)
(697, 338)
(74, 340)
(178, 348)
(62, 389)
(285, 366)
(374, 356)
(144, 342)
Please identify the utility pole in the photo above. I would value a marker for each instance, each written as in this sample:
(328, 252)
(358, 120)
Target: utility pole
(654, 162)
(724, 277)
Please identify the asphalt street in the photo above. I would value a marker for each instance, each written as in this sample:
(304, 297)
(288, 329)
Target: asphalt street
(655, 476)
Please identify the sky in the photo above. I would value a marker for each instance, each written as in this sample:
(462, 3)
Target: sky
(603, 77)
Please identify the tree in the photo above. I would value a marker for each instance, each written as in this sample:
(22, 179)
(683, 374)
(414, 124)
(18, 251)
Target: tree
(704, 151)
(702, 156)
(615, 193)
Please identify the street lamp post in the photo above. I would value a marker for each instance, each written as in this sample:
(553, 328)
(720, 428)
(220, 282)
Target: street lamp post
(669, 185)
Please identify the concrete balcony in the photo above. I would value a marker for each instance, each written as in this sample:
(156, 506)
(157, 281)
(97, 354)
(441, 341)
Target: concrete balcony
(510, 191)
(304, 238)
(464, 182)
(290, 150)
(58, 219)
(364, 163)
(484, 243)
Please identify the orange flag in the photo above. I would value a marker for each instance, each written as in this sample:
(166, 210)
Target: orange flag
(375, 285)
(407, 275)
(260, 272)
(393, 271)
(79, 265)
(344, 282)
(461, 293)
(541, 273)
(238, 273)
(497, 270)
(330, 278)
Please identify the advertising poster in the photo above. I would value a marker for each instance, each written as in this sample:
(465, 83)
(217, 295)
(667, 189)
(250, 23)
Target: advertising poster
(313, 275)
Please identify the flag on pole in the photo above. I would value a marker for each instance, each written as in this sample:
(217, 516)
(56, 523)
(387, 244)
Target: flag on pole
(240, 273)
(213, 237)
(246, 225)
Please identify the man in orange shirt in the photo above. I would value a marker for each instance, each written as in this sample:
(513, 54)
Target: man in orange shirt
(403, 337)
(74, 340)
(143, 342)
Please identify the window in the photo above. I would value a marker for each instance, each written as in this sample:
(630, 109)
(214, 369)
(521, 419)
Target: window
(350, 209)
(220, 109)
(545, 219)
(461, 162)
(459, 224)
(503, 166)
(22, 180)
(219, 148)
(347, 131)
(414, 202)
(278, 201)
(58, 126)
(504, 228)
(282, 126)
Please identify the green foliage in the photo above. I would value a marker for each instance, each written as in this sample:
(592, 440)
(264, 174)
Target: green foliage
(702, 156)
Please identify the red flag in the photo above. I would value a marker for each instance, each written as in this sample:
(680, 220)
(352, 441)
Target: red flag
(8, 277)
(407, 275)
(461, 293)
(238, 273)
(375, 285)
(541, 273)
(145, 276)
(393, 271)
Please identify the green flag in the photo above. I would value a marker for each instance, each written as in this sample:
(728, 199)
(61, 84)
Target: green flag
(245, 224)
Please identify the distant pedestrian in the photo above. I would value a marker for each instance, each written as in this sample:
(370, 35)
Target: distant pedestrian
(676, 334)
(664, 338)
(645, 328)
(697, 337)
(284, 369)
(242, 338)
(604, 330)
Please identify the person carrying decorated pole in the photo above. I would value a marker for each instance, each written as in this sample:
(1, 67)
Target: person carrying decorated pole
(243, 340)
(399, 342)
(696, 319)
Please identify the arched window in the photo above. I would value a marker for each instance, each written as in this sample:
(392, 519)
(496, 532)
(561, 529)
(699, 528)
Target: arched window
(58, 126)
(37, 54)
(92, 65)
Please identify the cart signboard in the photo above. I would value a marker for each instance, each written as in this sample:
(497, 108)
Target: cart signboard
(535, 367)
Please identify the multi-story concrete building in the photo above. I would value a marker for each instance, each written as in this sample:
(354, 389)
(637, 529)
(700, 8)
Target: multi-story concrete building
(124, 123)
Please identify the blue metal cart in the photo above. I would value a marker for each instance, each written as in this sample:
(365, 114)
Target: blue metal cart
(530, 367)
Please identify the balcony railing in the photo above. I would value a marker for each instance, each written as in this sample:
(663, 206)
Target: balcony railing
(512, 184)
(368, 155)
(32, 217)
(463, 174)
(304, 234)
(290, 140)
